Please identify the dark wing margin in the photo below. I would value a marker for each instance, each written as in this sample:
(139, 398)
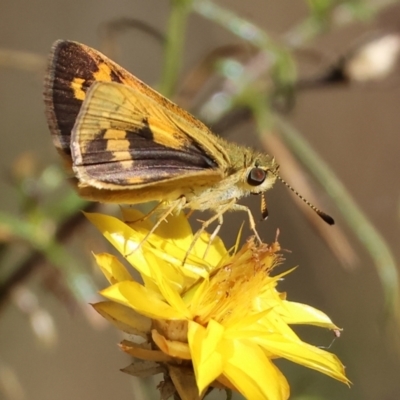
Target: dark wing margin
(72, 69)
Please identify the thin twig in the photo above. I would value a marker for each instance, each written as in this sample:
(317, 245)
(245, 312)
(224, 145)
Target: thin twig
(23, 60)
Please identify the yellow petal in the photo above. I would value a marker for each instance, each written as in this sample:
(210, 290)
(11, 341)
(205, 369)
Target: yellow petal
(252, 373)
(135, 218)
(168, 289)
(194, 266)
(141, 299)
(297, 313)
(173, 298)
(194, 295)
(203, 343)
(126, 240)
(304, 354)
(246, 327)
(173, 348)
(213, 251)
(176, 229)
(123, 238)
(273, 322)
(112, 268)
(160, 268)
(124, 318)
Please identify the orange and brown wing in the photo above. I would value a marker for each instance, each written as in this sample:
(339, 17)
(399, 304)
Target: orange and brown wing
(124, 139)
(118, 134)
(72, 69)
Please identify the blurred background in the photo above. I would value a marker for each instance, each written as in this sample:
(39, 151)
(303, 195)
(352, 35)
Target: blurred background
(316, 83)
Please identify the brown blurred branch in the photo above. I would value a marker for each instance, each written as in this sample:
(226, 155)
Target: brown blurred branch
(110, 31)
(23, 60)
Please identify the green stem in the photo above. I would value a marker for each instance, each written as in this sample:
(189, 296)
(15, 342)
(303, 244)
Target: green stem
(174, 45)
(233, 23)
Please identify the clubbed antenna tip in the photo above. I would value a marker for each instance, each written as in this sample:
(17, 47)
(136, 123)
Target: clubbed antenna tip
(327, 218)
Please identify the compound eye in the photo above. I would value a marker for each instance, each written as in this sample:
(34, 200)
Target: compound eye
(256, 176)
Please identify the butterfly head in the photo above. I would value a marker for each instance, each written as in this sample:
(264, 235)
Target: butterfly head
(261, 174)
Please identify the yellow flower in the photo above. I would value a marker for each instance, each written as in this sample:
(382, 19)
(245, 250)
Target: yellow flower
(219, 315)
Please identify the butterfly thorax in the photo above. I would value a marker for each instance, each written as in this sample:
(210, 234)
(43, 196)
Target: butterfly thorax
(236, 183)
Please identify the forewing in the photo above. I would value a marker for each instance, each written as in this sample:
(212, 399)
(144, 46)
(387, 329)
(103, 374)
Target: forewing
(125, 139)
(72, 69)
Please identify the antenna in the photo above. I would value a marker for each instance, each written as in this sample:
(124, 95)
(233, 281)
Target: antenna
(327, 218)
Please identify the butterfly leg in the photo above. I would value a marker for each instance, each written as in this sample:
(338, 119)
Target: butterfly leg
(177, 204)
(241, 207)
(146, 216)
(217, 216)
(214, 234)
